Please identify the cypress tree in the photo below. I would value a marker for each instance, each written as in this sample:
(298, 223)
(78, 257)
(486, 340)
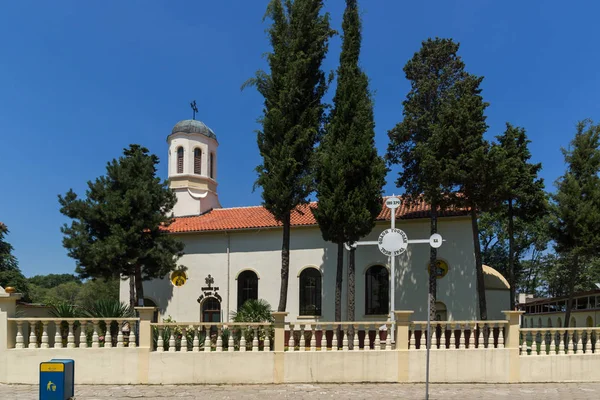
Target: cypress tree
(519, 191)
(419, 143)
(576, 205)
(349, 174)
(118, 228)
(293, 112)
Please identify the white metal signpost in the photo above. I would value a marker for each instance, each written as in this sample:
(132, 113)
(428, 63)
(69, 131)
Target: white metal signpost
(393, 242)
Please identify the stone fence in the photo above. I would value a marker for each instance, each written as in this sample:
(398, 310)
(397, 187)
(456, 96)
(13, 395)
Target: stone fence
(136, 351)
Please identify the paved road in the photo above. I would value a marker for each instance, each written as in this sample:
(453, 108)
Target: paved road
(570, 391)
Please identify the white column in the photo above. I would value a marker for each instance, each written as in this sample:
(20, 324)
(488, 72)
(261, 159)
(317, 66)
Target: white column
(313, 338)
(367, 341)
(132, 336)
(255, 340)
(345, 338)
(184, 343)
(108, 335)
(219, 338)
(32, 336)
(196, 340)
(302, 339)
(82, 336)
(70, 337)
(160, 341)
(172, 344)
(120, 333)
(19, 339)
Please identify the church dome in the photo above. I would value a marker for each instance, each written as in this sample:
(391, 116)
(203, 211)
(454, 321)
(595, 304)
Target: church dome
(193, 126)
(493, 279)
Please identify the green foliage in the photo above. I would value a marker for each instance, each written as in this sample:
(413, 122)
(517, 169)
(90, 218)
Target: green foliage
(66, 310)
(118, 227)
(349, 175)
(109, 309)
(10, 274)
(94, 290)
(52, 280)
(74, 292)
(253, 311)
(293, 111)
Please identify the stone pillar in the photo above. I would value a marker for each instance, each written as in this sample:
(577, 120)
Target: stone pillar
(402, 326)
(145, 331)
(8, 309)
(279, 346)
(511, 343)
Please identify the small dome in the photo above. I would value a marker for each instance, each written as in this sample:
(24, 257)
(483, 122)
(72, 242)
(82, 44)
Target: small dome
(493, 279)
(193, 126)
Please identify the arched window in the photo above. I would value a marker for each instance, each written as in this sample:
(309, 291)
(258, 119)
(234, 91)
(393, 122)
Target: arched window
(180, 160)
(212, 165)
(549, 322)
(247, 287)
(559, 323)
(441, 313)
(573, 323)
(589, 322)
(211, 310)
(310, 292)
(539, 322)
(198, 161)
(377, 290)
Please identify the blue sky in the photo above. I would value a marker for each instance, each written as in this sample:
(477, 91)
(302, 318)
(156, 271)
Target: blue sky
(82, 80)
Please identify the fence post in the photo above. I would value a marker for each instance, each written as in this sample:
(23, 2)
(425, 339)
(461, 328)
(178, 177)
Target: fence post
(145, 332)
(402, 326)
(511, 342)
(279, 317)
(8, 309)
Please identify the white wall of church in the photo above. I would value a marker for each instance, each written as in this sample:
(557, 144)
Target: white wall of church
(260, 251)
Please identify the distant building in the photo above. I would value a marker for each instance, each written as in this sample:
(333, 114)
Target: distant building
(550, 312)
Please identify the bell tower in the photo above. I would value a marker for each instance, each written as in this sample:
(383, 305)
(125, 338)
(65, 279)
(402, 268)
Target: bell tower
(193, 167)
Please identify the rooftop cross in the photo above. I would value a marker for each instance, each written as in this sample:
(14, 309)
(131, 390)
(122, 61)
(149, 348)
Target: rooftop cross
(194, 109)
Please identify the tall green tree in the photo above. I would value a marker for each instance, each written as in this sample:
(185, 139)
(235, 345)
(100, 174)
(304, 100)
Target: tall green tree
(576, 205)
(349, 174)
(293, 112)
(468, 160)
(10, 273)
(52, 280)
(419, 143)
(119, 228)
(520, 192)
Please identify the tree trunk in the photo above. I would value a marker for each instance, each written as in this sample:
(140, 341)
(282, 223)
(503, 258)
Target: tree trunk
(351, 292)
(285, 263)
(338, 282)
(511, 262)
(478, 266)
(132, 291)
(572, 280)
(139, 286)
(432, 261)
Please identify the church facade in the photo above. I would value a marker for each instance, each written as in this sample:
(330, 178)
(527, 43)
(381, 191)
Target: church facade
(234, 254)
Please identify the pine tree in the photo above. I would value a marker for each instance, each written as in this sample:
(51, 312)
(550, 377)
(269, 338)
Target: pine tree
(519, 191)
(349, 174)
(293, 112)
(118, 229)
(576, 205)
(470, 169)
(419, 142)
(10, 273)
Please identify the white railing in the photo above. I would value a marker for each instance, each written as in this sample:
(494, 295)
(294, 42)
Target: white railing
(333, 336)
(219, 337)
(558, 341)
(457, 335)
(70, 333)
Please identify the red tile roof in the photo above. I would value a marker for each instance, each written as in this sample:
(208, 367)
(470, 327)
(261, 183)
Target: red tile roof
(255, 217)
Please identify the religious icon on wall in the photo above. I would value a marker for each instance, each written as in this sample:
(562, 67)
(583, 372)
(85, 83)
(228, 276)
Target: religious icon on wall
(441, 268)
(178, 278)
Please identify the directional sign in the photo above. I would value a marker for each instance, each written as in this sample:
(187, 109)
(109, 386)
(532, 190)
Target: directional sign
(392, 202)
(392, 242)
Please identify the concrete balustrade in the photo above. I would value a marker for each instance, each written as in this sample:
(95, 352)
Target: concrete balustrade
(559, 341)
(338, 336)
(453, 335)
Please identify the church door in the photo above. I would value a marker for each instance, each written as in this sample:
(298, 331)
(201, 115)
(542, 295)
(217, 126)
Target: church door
(211, 310)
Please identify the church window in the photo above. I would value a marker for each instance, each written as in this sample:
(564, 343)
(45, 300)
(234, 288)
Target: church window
(310, 292)
(377, 290)
(180, 160)
(212, 165)
(197, 161)
(247, 287)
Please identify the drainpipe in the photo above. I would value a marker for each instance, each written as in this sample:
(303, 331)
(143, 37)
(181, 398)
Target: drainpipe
(228, 275)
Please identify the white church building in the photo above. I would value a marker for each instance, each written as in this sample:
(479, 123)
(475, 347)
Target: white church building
(234, 254)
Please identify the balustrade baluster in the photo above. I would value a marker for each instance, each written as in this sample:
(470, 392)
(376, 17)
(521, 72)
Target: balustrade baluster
(219, 338)
(44, 340)
(422, 341)
(461, 340)
(452, 337)
(367, 341)
(472, 336)
(553, 349)
(344, 333)
(230, 342)
(302, 346)
(377, 341)
(195, 339)
(388, 337)
(291, 341)
(267, 343)
(70, 337)
(434, 336)
(313, 339)
(132, 342)
(534, 334)
(355, 341)
(82, 335)
(480, 339)
(183, 345)
(568, 341)
(172, 343)
(120, 342)
(501, 335)
(207, 342)
(579, 341)
(244, 331)
(255, 340)
(108, 335)
(19, 342)
(588, 338)
(324, 338)
(96, 336)
(32, 336)
(412, 341)
(334, 338)
(523, 346)
(596, 340)
(561, 342)
(490, 336)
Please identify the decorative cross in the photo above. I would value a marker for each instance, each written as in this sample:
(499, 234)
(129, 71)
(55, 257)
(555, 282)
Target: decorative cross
(194, 109)
(209, 281)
